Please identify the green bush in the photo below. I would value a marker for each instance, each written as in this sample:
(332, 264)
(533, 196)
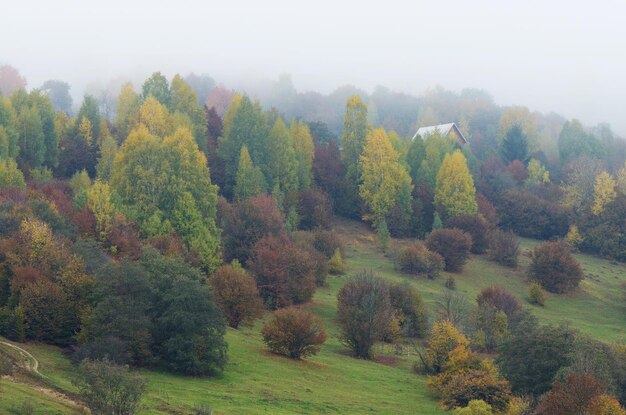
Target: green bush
(536, 294)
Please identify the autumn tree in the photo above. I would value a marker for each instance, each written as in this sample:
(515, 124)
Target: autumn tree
(10, 80)
(100, 203)
(570, 397)
(454, 191)
(381, 174)
(184, 101)
(284, 271)
(444, 339)
(294, 333)
(537, 173)
(246, 222)
(453, 245)
(249, 181)
(127, 107)
(48, 313)
(155, 117)
(236, 295)
(604, 192)
(364, 312)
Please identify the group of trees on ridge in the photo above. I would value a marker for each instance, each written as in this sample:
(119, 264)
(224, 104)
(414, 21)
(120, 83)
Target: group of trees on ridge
(138, 237)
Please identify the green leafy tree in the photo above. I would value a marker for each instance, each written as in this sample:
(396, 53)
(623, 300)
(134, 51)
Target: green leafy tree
(455, 193)
(364, 312)
(515, 145)
(575, 142)
(10, 175)
(249, 181)
(353, 141)
(304, 151)
(80, 183)
(163, 180)
(32, 139)
(158, 87)
(436, 148)
(244, 124)
(281, 167)
(108, 388)
(108, 149)
(59, 93)
(9, 135)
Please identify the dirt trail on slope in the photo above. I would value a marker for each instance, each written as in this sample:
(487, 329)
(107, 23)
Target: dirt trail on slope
(30, 362)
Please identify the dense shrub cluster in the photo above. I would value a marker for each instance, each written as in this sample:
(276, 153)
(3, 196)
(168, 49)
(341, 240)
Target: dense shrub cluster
(294, 333)
(476, 226)
(285, 272)
(503, 247)
(453, 245)
(531, 216)
(554, 267)
(418, 260)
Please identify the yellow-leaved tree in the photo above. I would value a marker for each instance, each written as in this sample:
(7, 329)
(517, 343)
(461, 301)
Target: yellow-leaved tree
(455, 193)
(603, 192)
(100, 204)
(382, 176)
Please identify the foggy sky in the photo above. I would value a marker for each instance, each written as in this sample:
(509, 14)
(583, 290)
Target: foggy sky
(563, 56)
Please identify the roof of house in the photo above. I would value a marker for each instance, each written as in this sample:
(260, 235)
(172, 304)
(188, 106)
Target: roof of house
(443, 129)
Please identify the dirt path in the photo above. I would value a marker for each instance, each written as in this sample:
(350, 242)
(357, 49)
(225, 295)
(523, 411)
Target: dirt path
(30, 362)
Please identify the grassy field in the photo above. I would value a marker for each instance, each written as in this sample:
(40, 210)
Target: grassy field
(257, 382)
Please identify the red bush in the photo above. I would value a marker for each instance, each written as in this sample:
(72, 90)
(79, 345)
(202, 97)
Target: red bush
(500, 299)
(246, 222)
(487, 209)
(476, 226)
(327, 242)
(572, 397)
(554, 267)
(237, 296)
(417, 259)
(453, 245)
(284, 271)
(518, 171)
(314, 209)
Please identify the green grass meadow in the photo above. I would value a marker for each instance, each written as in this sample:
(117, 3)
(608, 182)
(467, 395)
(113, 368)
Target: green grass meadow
(258, 382)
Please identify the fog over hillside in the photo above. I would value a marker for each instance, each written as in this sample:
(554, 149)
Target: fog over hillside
(558, 56)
